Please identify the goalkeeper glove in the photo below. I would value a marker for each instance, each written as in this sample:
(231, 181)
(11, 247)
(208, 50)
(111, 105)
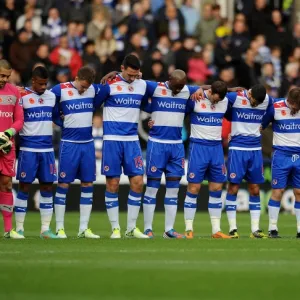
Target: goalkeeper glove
(6, 147)
(5, 137)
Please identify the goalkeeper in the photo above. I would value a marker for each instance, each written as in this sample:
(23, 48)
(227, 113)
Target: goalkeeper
(11, 121)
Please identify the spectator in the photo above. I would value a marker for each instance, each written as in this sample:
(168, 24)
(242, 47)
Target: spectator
(62, 74)
(276, 61)
(22, 51)
(91, 58)
(30, 15)
(223, 53)
(191, 17)
(74, 10)
(205, 31)
(224, 28)
(105, 45)
(74, 39)
(246, 70)
(97, 25)
(65, 56)
(259, 18)
(121, 11)
(295, 57)
(269, 79)
(97, 5)
(98, 135)
(11, 12)
(198, 72)
(135, 46)
(228, 76)
(263, 51)
(183, 55)
(240, 40)
(291, 78)
(6, 37)
(53, 28)
(158, 71)
(171, 24)
(296, 36)
(31, 34)
(216, 12)
(164, 46)
(120, 34)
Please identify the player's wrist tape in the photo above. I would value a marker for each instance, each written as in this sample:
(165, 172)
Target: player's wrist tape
(9, 133)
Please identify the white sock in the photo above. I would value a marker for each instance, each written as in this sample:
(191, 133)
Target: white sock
(190, 207)
(60, 207)
(297, 213)
(215, 210)
(46, 209)
(231, 210)
(133, 206)
(274, 208)
(112, 208)
(254, 206)
(86, 202)
(20, 210)
(171, 201)
(149, 203)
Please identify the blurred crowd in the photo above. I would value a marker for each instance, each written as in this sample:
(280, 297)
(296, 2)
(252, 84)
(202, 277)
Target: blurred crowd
(260, 45)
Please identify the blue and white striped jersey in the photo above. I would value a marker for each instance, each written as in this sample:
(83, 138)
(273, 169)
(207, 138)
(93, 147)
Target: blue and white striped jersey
(246, 121)
(168, 112)
(77, 110)
(206, 121)
(286, 127)
(36, 134)
(121, 110)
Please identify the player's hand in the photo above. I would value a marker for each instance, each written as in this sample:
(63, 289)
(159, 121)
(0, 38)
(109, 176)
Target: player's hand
(260, 129)
(198, 95)
(6, 147)
(4, 138)
(236, 89)
(229, 137)
(61, 115)
(140, 75)
(108, 77)
(150, 123)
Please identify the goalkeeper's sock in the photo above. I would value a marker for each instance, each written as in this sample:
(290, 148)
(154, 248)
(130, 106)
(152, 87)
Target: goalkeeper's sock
(215, 210)
(149, 202)
(133, 206)
(274, 208)
(231, 210)
(46, 209)
(190, 207)
(254, 206)
(171, 201)
(297, 213)
(86, 201)
(60, 206)
(21, 209)
(6, 206)
(112, 208)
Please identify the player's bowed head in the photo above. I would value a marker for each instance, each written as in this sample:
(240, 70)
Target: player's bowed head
(5, 72)
(177, 81)
(85, 77)
(293, 100)
(130, 68)
(256, 95)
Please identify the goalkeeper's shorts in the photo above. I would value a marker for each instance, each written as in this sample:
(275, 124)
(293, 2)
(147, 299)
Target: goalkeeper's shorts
(8, 163)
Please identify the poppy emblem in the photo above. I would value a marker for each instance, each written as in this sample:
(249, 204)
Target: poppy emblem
(70, 93)
(164, 92)
(31, 101)
(119, 88)
(244, 102)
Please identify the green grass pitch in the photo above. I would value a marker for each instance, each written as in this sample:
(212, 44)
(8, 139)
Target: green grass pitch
(72, 269)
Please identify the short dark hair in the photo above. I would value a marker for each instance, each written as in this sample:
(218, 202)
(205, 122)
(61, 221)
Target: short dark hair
(220, 88)
(5, 64)
(86, 73)
(132, 62)
(258, 92)
(40, 72)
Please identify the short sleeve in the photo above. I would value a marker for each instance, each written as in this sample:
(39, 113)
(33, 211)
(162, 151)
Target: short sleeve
(102, 92)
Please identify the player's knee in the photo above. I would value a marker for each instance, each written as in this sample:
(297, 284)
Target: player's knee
(46, 188)
(136, 184)
(24, 187)
(297, 194)
(233, 189)
(277, 194)
(6, 184)
(63, 185)
(194, 188)
(253, 190)
(112, 185)
(86, 184)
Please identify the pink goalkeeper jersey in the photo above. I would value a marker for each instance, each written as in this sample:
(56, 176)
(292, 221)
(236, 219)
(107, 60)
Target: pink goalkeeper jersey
(11, 111)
